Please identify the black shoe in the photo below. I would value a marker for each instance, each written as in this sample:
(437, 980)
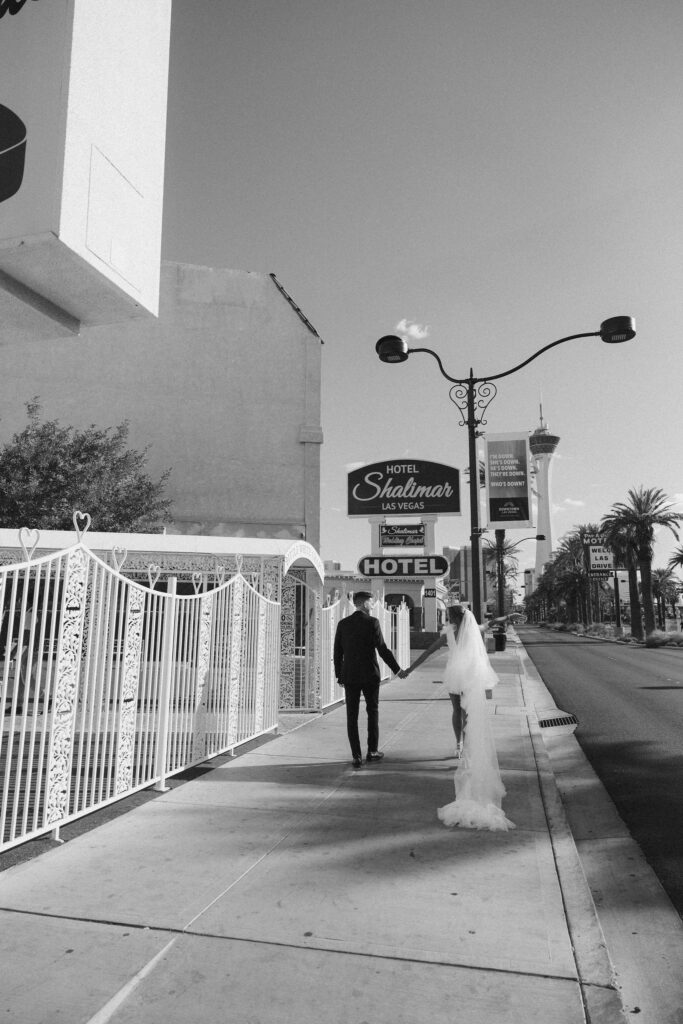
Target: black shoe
(377, 756)
(358, 762)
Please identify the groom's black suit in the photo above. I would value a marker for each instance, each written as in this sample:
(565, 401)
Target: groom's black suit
(357, 643)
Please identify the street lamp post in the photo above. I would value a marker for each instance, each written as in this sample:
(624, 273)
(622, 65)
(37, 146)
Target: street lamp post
(472, 396)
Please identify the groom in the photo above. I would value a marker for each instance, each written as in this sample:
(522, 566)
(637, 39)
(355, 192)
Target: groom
(357, 643)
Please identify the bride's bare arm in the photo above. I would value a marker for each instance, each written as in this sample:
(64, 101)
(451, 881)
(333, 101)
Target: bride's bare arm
(441, 642)
(486, 625)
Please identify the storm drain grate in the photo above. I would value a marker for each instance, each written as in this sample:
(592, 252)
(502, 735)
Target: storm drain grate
(566, 719)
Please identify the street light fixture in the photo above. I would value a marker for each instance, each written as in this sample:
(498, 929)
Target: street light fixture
(472, 396)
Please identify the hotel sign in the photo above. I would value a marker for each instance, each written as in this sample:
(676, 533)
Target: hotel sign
(404, 489)
(403, 565)
(599, 559)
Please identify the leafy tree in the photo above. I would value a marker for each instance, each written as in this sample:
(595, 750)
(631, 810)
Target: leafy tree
(48, 471)
(645, 510)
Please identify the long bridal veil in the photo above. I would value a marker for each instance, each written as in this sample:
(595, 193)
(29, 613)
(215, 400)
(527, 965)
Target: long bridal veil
(479, 789)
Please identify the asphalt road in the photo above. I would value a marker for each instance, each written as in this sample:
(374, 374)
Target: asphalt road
(629, 703)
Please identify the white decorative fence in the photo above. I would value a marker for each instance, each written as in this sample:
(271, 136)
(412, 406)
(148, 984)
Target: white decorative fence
(109, 686)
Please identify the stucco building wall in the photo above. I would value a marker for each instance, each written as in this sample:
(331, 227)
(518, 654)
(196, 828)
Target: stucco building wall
(224, 386)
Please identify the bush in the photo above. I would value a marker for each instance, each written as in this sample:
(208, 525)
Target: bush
(601, 629)
(658, 638)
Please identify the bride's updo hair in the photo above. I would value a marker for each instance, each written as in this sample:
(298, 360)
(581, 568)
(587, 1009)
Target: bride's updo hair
(456, 613)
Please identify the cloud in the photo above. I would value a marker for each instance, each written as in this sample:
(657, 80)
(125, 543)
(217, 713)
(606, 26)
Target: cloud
(566, 504)
(409, 329)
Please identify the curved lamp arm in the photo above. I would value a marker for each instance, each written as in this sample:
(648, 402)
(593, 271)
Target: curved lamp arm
(570, 337)
(613, 331)
(506, 373)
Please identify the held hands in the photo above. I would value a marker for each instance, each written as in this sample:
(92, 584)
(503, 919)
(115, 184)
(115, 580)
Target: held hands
(404, 673)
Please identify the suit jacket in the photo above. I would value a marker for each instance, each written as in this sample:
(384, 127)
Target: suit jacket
(357, 643)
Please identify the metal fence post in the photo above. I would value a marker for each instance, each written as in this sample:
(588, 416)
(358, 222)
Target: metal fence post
(165, 685)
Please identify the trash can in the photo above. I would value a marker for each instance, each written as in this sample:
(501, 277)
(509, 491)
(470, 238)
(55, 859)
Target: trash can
(499, 640)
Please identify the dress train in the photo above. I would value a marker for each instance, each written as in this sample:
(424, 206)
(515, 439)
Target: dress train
(479, 789)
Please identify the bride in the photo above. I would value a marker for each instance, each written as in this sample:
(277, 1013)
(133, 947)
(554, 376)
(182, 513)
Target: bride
(479, 789)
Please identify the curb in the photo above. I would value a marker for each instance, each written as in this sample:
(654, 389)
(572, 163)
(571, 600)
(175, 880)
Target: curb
(595, 970)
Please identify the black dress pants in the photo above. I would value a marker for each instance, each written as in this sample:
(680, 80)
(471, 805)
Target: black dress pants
(370, 691)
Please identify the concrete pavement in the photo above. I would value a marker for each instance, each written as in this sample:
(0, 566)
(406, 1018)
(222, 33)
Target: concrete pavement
(284, 886)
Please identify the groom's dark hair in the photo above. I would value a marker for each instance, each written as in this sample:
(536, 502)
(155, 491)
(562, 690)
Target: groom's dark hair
(360, 596)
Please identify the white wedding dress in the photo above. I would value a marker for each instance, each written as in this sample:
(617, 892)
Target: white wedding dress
(479, 789)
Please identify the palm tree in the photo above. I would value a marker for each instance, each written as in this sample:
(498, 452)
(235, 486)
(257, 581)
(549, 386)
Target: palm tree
(676, 560)
(621, 540)
(561, 591)
(645, 510)
(665, 590)
(500, 565)
(571, 583)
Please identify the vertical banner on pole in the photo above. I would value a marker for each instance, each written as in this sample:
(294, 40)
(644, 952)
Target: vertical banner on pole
(508, 482)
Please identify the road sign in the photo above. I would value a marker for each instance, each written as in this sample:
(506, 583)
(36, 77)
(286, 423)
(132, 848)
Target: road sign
(403, 565)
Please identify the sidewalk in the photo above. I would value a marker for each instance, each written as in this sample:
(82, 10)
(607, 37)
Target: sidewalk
(286, 888)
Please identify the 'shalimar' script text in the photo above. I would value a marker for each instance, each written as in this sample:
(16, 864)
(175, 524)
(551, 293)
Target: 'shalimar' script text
(11, 6)
(404, 497)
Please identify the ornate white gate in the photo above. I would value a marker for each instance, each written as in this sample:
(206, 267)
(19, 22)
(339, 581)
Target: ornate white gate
(109, 686)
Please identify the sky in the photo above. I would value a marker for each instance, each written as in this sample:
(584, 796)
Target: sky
(500, 173)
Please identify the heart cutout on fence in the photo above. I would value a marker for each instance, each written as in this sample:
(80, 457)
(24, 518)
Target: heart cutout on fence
(118, 557)
(29, 541)
(219, 573)
(82, 523)
(153, 574)
(197, 580)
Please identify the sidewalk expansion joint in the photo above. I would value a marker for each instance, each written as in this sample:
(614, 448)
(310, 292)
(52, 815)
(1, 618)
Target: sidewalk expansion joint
(177, 932)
